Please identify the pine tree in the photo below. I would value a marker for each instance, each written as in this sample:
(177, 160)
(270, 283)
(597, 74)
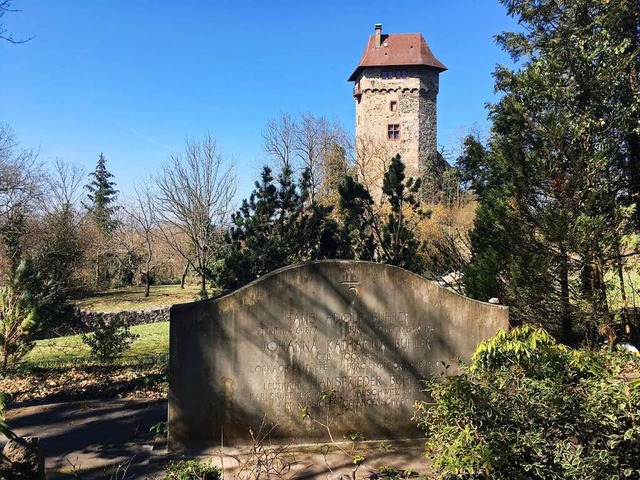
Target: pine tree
(277, 226)
(102, 196)
(29, 306)
(385, 235)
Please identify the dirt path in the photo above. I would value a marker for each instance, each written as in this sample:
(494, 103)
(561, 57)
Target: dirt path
(90, 436)
(88, 440)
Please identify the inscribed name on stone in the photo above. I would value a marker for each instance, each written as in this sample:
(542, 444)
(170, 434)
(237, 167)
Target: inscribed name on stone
(345, 341)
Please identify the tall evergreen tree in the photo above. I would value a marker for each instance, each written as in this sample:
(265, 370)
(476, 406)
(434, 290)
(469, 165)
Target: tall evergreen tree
(557, 184)
(102, 196)
(102, 206)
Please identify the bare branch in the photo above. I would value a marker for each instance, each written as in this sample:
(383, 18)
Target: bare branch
(65, 183)
(196, 189)
(20, 175)
(5, 7)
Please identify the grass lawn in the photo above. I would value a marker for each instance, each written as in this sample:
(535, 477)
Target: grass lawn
(71, 351)
(61, 369)
(632, 288)
(132, 298)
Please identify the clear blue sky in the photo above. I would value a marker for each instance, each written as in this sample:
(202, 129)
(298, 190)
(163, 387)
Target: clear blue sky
(132, 79)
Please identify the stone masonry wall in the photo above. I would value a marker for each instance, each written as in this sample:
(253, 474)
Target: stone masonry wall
(416, 113)
(85, 321)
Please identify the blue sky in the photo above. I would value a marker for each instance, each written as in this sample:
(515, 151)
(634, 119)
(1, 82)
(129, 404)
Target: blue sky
(132, 79)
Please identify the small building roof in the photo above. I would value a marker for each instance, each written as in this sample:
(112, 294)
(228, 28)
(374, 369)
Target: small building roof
(399, 49)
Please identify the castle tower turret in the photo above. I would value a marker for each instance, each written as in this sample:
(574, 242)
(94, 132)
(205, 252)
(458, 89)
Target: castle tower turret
(396, 85)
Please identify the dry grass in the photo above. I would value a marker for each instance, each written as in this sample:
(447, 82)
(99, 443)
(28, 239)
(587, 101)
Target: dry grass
(132, 298)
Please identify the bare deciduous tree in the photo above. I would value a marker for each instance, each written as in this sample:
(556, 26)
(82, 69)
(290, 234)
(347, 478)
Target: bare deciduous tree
(278, 143)
(196, 189)
(373, 158)
(62, 239)
(20, 175)
(65, 185)
(305, 142)
(139, 230)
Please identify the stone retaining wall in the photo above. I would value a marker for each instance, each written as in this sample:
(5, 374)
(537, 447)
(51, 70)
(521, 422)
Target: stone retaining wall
(89, 320)
(84, 321)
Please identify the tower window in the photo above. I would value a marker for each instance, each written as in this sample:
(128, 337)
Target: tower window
(393, 106)
(393, 131)
(393, 74)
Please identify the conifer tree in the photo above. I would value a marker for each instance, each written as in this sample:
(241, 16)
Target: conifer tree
(29, 306)
(385, 234)
(276, 226)
(558, 182)
(102, 196)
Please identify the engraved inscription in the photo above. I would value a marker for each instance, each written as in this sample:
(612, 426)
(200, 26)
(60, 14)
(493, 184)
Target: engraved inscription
(363, 363)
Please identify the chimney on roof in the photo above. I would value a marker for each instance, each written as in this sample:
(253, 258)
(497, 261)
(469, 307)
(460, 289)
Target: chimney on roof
(378, 28)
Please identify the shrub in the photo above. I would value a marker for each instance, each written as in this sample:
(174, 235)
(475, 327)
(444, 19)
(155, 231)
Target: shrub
(4, 428)
(109, 340)
(192, 470)
(28, 307)
(528, 407)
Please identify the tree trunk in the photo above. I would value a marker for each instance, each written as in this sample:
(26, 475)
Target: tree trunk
(203, 286)
(184, 275)
(567, 326)
(623, 294)
(600, 305)
(147, 284)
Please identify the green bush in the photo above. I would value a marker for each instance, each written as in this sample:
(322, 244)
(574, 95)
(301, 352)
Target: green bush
(29, 306)
(529, 408)
(4, 427)
(192, 470)
(109, 340)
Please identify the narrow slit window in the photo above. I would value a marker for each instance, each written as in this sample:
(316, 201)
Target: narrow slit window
(393, 106)
(393, 131)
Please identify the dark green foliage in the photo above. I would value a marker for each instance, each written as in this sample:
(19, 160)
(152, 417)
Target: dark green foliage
(109, 340)
(12, 233)
(399, 244)
(387, 472)
(29, 307)
(102, 196)
(530, 408)
(385, 235)
(359, 218)
(556, 178)
(192, 470)
(61, 255)
(4, 427)
(275, 227)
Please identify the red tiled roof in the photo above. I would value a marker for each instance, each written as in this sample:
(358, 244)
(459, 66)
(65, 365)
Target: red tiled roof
(400, 49)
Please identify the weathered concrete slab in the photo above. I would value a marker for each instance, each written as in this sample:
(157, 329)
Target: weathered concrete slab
(365, 334)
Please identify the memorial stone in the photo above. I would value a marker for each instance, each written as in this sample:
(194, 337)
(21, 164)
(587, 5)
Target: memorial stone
(345, 342)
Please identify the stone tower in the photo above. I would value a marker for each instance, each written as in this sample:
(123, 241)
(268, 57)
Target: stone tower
(396, 85)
